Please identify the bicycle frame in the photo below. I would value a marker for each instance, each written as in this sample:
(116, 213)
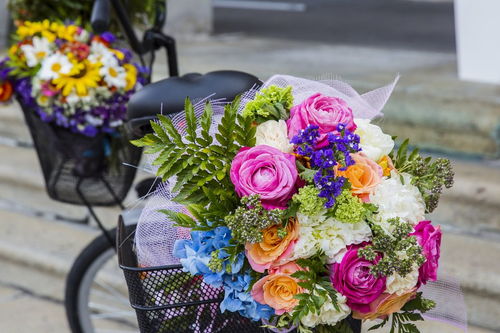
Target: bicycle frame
(153, 38)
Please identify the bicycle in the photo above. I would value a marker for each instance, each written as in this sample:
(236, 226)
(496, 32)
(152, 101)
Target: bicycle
(92, 278)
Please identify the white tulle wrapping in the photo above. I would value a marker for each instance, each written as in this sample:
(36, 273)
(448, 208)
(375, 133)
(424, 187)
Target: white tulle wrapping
(155, 234)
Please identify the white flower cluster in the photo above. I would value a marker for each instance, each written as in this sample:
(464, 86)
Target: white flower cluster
(397, 197)
(329, 235)
(396, 284)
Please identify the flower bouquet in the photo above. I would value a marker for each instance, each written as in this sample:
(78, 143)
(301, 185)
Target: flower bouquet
(70, 77)
(73, 87)
(298, 206)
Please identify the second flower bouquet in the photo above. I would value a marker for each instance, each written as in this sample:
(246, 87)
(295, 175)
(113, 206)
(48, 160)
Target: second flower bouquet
(299, 207)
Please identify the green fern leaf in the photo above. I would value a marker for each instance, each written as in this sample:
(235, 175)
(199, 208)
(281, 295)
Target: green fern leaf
(190, 121)
(160, 132)
(180, 219)
(206, 122)
(164, 155)
(169, 127)
(147, 140)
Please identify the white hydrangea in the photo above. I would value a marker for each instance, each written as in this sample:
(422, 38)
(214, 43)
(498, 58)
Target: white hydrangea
(396, 284)
(307, 245)
(373, 142)
(275, 134)
(328, 314)
(334, 236)
(398, 199)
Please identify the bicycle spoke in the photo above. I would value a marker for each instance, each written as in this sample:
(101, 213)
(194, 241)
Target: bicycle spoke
(100, 308)
(112, 291)
(112, 297)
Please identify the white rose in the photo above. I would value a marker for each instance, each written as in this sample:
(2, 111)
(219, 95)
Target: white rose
(328, 314)
(373, 142)
(396, 284)
(397, 199)
(275, 134)
(306, 245)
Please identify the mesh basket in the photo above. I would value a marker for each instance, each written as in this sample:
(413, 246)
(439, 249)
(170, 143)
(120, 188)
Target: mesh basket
(82, 170)
(166, 299)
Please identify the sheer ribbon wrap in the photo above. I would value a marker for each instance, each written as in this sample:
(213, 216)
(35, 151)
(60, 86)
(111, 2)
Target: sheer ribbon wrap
(156, 234)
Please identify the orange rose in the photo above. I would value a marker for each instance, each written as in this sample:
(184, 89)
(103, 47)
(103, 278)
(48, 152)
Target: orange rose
(386, 164)
(5, 91)
(277, 291)
(385, 305)
(364, 175)
(273, 250)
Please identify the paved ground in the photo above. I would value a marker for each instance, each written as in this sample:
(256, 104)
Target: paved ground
(400, 24)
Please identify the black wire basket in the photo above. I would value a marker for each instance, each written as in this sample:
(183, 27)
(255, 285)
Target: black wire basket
(79, 169)
(168, 300)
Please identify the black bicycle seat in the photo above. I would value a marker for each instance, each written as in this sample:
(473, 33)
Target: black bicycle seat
(168, 95)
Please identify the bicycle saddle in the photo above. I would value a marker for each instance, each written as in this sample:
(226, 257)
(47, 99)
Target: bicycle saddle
(168, 95)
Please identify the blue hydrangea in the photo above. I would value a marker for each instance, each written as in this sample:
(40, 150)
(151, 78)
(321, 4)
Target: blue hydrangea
(237, 298)
(195, 255)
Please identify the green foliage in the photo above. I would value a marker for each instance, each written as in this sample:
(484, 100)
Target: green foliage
(419, 304)
(200, 165)
(271, 103)
(140, 11)
(390, 245)
(428, 175)
(315, 280)
(248, 220)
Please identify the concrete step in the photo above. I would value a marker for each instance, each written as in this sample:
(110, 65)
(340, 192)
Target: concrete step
(473, 203)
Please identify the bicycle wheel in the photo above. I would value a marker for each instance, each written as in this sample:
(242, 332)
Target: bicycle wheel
(96, 297)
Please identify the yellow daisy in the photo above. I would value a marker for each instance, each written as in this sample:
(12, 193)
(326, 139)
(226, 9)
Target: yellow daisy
(86, 77)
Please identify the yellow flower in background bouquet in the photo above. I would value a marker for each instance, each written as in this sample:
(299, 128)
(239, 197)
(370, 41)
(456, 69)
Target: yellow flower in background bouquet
(71, 77)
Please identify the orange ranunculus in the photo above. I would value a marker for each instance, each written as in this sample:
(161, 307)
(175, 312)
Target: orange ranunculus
(364, 175)
(386, 164)
(5, 91)
(385, 305)
(273, 250)
(278, 291)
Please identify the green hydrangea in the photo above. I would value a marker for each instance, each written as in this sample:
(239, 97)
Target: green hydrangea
(271, 103)
(349, 208)
(310, 202)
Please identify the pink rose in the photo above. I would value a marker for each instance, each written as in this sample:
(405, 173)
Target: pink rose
(429, 238)
(265, 171)
(324, 111)
(352, 278)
